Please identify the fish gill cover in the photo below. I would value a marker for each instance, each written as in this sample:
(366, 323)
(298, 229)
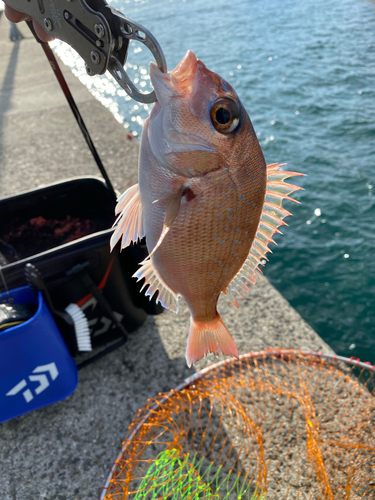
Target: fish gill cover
(280, 424)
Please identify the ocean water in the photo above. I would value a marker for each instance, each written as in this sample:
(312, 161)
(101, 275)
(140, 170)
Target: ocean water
(305, 72)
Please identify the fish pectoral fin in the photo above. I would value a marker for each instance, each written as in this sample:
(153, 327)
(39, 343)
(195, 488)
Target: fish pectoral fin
(170, 214)
(271, 218)
(167, 297)
(128, 225)
(209, 336)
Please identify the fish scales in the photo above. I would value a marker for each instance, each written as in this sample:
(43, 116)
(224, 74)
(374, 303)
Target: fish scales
(212, 234)
(201, 200)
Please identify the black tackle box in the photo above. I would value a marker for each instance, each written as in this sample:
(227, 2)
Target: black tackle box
(65, 226)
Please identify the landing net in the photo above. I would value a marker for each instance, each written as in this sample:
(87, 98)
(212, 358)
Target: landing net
(279, 424)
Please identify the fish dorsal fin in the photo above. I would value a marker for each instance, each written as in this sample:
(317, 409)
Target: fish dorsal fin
(166, 296)
(271, 218)
(128, 225)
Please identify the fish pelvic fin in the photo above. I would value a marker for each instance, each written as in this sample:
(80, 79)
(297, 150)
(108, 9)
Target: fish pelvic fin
(209, 336)
(271, 218)
(128, 225)
(167, 297)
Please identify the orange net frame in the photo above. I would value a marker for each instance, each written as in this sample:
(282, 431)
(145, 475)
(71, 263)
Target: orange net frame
(273, 425)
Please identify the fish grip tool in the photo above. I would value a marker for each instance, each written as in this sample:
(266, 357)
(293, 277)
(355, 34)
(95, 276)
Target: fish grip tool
(98, 32)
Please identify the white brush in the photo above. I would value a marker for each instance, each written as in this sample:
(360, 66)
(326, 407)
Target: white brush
(81, 326)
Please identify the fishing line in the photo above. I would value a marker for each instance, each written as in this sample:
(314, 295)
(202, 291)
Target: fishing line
(73, 106)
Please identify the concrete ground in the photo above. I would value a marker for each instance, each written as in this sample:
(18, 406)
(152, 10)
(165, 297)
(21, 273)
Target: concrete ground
(65, 451)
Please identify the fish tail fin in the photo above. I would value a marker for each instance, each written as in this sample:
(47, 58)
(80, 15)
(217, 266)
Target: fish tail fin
(209, 336)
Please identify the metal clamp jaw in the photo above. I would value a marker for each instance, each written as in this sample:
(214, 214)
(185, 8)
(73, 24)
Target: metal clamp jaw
(99, 33)
(133, 31)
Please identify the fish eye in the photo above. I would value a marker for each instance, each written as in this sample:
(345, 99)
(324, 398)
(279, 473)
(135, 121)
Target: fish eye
(225, 115)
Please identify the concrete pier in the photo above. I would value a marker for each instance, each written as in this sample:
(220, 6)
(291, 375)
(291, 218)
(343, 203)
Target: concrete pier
(65, 451)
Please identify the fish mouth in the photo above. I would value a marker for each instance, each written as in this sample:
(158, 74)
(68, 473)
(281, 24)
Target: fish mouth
(184, 73)
(177, 82)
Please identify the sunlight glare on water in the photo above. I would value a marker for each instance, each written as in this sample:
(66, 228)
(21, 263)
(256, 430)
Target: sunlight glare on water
(305, 71)
(128, 112)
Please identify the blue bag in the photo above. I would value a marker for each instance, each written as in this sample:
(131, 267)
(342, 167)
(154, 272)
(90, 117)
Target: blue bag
(36, 368)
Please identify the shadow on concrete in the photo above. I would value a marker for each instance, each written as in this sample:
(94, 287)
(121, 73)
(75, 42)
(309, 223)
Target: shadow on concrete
(6, 91)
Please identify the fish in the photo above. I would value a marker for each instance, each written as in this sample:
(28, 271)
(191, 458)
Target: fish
(205, 200)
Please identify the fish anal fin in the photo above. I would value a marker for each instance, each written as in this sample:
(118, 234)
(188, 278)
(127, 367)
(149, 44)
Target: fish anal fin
(128, 226)
(167, 297)
(170, 215)
(209, 336)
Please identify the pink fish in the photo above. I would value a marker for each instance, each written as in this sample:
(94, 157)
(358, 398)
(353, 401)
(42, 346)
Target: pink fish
(206, 201)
